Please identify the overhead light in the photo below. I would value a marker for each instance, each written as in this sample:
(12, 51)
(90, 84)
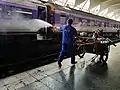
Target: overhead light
(67, 8)
(35, 1)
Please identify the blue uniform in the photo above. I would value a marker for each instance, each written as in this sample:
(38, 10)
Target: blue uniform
(68, 34)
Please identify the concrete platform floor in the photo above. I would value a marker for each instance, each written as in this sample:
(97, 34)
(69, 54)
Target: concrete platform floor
(82, 76)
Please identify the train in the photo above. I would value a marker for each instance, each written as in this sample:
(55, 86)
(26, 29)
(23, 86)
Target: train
(18, 46)
(57, 15)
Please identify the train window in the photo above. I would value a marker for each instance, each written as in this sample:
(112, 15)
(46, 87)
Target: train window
(24, 13)
(88, 22)
(76, 20)
(95, 23)
(1, 10)
(116, 26)
(100, 24)
(42, 13)
(107, 24)
(104, 24)
(62, 19)
(91, 23)
(8, 12)
(111, 25)
(84, 22)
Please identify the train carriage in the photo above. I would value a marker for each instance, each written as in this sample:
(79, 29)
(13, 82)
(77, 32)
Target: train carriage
(24, 45)
(100, 48)
(57, 15)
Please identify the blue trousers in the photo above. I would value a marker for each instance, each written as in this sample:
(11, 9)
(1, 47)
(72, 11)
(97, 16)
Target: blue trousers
(67, 50)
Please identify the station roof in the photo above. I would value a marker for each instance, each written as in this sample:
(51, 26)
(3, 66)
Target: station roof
(106, 8)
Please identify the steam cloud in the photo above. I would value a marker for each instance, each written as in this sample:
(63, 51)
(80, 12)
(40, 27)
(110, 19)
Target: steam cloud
(20, 24)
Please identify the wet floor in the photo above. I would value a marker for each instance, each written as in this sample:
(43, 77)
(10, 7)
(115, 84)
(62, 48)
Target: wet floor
(82, 76)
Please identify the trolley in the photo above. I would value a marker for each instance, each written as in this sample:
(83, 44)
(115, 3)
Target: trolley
(100, 48)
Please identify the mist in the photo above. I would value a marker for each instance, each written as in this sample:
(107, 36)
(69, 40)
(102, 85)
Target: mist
(19, 23)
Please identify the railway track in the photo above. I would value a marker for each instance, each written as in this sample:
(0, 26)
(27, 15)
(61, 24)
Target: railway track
(24, 65)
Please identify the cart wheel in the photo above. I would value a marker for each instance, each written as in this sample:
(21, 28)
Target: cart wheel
(108, 48)
(81, 55)
(81, 52)
(104, 58)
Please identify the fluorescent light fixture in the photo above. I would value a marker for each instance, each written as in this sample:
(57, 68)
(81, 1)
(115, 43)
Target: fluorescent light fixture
(24, 12)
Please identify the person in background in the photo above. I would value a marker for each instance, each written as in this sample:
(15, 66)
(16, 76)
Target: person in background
(68, 38)
(101, 33)
(95, 35)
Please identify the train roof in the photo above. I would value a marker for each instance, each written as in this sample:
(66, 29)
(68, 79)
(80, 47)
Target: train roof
(24, 4)
(85, 14)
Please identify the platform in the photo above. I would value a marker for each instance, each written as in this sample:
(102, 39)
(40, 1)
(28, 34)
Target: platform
(82, 76)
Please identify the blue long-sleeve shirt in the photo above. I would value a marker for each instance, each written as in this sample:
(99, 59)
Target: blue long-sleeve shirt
(68, 34)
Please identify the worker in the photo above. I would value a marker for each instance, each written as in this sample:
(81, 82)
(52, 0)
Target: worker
(68, 37)
(96, 35)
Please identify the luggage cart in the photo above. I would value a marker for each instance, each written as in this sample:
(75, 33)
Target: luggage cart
(100, 48)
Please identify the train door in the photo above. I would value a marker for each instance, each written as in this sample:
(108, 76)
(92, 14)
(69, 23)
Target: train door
(50, 15)
(42, 13)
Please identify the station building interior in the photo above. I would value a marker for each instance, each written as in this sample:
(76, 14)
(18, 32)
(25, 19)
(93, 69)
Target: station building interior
(31, 41)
